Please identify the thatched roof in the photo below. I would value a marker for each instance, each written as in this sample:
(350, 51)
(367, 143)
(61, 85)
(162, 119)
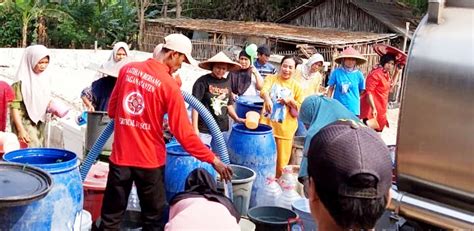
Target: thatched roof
(280, 32)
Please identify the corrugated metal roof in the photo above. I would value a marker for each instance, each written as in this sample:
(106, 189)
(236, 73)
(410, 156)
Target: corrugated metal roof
(282, 32)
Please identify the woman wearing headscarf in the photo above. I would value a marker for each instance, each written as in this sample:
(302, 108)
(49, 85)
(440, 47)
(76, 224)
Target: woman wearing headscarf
(201, 206)
(214, 90)
(32, 96)
(310, 79)
(317, 112)
(119, 52)
(346, 81)
(246, 81)
(101, 89)
(282, 99)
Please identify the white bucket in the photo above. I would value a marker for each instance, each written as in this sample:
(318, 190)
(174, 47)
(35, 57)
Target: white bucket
(246, 225)
(83, 221)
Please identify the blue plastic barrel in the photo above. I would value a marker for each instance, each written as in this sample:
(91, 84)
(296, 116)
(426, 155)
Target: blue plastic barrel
(56, 211)
(255, 149)
(248, 103)
(179, 164)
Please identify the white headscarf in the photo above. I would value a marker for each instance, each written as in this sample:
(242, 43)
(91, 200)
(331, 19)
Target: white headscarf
(307, 66)
(35, 88)
(110, 64)
(117, 46)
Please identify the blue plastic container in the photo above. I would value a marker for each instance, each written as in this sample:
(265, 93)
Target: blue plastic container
(58, 210)
(179, 164)
(255, 149)
(248, 103)
(301, 207)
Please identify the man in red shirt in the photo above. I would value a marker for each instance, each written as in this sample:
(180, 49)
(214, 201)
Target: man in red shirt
(144, 92)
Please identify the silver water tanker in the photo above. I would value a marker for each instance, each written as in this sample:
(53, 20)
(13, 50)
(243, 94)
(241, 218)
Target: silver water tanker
(435, 143)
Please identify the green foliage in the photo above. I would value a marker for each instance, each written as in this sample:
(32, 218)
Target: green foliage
(69, 23)
(419, 6)
(117, 22)
(10, 33)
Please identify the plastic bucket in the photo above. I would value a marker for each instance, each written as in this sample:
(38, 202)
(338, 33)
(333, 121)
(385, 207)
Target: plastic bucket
(246, 225)
(179, 164)
(23, 145)
(96, 123)
(58, 108)
(301, 207)
(58, 210)
(251, 119)
(271, 218)
(248, 103)
(254, 149)
(83, 222)
(94, 188)
(242, 182)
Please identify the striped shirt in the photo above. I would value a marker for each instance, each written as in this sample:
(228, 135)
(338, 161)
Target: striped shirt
(265, 69)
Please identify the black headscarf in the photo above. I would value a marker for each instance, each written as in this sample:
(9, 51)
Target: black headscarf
(242, 78)
(201, 184)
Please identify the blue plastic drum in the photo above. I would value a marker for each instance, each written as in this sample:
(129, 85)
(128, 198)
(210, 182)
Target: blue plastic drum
(56, 211)
(255, 149)
(248, 103)
(179, 164)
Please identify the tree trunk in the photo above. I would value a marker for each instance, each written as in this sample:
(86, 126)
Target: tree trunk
(24, 32)
(164, 10)
(141, 28)
(178, 9)
(42, 33)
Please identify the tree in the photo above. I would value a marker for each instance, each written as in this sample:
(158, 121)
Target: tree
(178, 8)
(33, 10)
(142, 7)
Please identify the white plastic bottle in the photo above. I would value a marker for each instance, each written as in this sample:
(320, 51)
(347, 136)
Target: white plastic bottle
(287, 178)
(271, 193)
(133, 201)
(287, 197)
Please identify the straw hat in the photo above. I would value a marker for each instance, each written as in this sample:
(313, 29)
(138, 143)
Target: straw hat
(113, 69)
(382, 49)
(220, 58)
(351, 53)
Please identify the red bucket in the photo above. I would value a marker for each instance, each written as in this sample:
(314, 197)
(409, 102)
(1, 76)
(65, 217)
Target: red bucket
(94, 188)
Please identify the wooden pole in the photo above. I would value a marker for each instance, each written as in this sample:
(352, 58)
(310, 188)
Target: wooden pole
(405, 38)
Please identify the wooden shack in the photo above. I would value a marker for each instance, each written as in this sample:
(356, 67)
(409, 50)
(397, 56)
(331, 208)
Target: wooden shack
(211, 36)
(378, 16)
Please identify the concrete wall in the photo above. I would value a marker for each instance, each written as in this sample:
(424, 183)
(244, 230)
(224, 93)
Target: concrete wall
(69, 75)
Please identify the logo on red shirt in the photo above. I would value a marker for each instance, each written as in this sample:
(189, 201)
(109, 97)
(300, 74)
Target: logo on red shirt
(134, 103)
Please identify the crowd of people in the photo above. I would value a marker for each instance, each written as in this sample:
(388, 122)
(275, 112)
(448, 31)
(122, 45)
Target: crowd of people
(343, 191)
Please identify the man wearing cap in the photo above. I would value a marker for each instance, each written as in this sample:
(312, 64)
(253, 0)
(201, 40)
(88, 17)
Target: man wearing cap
(350, 176)
(144, 92)
(263, 66)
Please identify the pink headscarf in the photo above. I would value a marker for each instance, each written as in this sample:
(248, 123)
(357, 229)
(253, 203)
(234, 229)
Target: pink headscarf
(35, 88)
